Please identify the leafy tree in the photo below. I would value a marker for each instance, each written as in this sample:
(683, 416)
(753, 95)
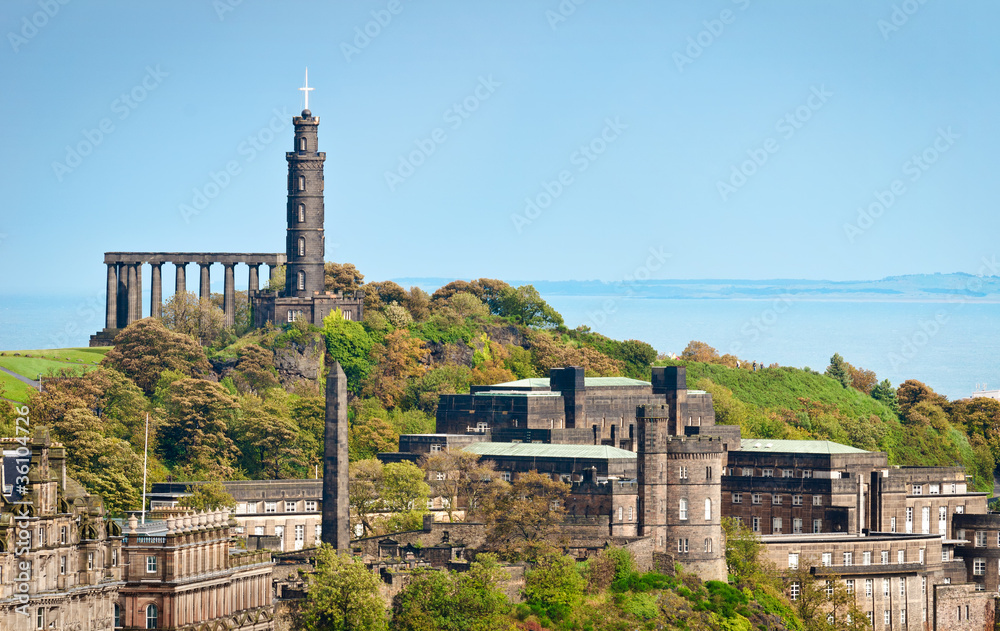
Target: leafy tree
(699, 352)
(525, 305)
(863, 379)
(457, 286)
(369, 437)
(980, 416)
(823, 603)
(839, 370)
(548, 352)
(146, 348)
(425, 391)
(418, 303)
(554, 584)
(276, 279)
(459, 476)
(885, 393)
(745, 559)
(376, 491)
(269, 438)
(209, 496)
(364, 493)
(342, 277)
(468, 305)
(394, 361)
(379, 294)
(912, 392)
(255, 371)
(342, 595)
(195, 436)
(348, 342)
(609, 565)
(397, 315)
(523, 514)
(200, 318)
(451, 601)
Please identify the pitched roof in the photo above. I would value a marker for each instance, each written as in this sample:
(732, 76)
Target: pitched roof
(798, 446)
(545, 450)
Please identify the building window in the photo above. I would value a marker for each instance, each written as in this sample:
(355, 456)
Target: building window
(902, 587)
(302, 213)
(621, 513)
(871, 618)
(40, 618)
(505, 476)
(885, 587)
(768, 473)
(829, 589)
(817, 500)
(980, 539)
(290, 507)
(756, 498)
(793, 560)
(747, 472)
(934, 489)
(817, 525)
(755, 524)
(708, 544)
(848, 558)
(776, 525)
(90, 560)
(302, 182)
(776, 499)
(302, 246)
(960, 509)
(925, 520)
(708, 473)
(682, 512)
(902, 616)
(737, 498)
(62, 565)
(270, 507)
(63, 535)
(152, 614)
(807, 473)
(900, 556)
(118, 616)
(682, 473)
(796, 500)
(887, 617)
(978, 567)
(866, 557)
(310, 506)
(920, 556)
(258, 530)
(796, 526)
(302, 144)
(942, 520)
(682, 545)
(827, 559)
(954, 488)
(793, 591)
(850, 586)
(630, 516)
(318, 532)
(869, 584)
(708, 509)
(300, 533)
(786, 473)
(909, 519)
(302, 280)
(918, 489)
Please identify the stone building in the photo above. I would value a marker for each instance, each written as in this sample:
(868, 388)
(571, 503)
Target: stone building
(181, 573)
(60, 558)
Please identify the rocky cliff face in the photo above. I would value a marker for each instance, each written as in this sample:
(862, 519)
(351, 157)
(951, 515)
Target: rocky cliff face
(301, 360)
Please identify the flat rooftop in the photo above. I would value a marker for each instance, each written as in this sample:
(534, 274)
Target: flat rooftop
(798, 446)
(545, 450)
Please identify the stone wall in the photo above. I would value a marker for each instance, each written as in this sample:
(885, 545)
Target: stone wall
(962, 608)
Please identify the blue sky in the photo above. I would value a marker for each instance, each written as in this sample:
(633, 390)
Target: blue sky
(739, 138)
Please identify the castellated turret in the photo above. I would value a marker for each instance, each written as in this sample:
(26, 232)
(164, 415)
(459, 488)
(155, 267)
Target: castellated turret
(680, 490)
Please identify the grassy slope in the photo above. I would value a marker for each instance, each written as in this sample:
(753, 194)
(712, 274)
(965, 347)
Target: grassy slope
(14, 388)
(45, 362)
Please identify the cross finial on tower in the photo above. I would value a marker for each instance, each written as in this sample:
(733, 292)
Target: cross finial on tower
(306, 89)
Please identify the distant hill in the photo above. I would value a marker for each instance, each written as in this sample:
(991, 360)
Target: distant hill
(912, 287)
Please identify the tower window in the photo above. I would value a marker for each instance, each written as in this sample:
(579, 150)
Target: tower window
(302, 281)
(302, 144)
(302, 182)
(302, 247)
(152, 615)
(302, 213)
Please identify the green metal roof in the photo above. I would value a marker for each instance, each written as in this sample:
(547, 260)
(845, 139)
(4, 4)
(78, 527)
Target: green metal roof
(589, 382)
(544, 450)
(798, 446)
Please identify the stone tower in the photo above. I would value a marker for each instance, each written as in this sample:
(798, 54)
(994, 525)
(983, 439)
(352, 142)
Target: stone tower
(336, 516)
(680, 487)
(304, 242)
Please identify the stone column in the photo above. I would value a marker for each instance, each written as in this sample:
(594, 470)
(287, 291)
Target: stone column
(180, 284)
(229, 294)
(122, 295)
(156, 291)
(271, 271)
(205, 290)
(254, 284)
(111, 317)
(138, 291)
(133, 296)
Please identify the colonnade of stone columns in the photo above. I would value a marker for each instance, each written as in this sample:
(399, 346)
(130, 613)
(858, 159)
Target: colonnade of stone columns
(124, 288)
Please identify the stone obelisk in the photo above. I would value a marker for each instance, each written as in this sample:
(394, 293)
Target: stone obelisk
(336, 516)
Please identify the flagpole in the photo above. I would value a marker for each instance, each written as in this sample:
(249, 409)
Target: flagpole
(145, 460)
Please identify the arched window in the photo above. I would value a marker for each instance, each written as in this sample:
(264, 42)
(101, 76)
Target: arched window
(118, 616)
(302, 246)
(682, 512)
(708, 509)
(708, 544)
(152, 616)
(302, 281)
(302, 213)
(302, 144)
(302, 182)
